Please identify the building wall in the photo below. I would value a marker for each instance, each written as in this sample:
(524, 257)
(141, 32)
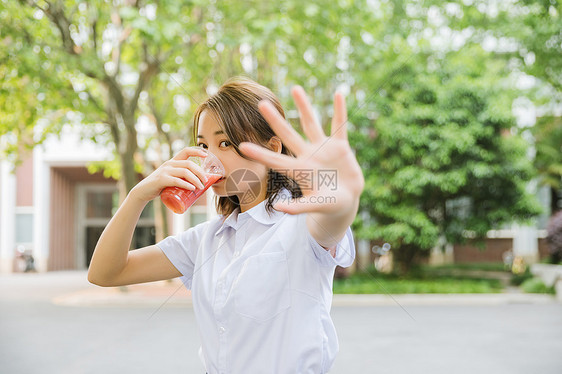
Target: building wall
(17, 212)
(467, 253)
(24, 181)
(61, 238)
(7, 213)
(492, 252)
(543, 248)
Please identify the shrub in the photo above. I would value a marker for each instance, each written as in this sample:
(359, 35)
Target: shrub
(518, 279)
(536, 285)
(554, 238)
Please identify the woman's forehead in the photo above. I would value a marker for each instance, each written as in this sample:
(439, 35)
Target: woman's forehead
(208, 124)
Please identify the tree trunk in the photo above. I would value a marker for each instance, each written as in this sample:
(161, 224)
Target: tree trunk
(405, 257)
(160, 212)
(555, 200)
(128, 162)
(160, 220)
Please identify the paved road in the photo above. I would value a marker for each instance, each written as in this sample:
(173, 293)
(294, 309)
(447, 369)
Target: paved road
(39, 336)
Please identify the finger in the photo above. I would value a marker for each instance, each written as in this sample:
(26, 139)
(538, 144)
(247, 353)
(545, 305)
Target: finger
(190, 151)
(268, 158)
(179, 182)
(310, 125)
(282, 128)
(188, 175)
(190, 165)
(339, 121)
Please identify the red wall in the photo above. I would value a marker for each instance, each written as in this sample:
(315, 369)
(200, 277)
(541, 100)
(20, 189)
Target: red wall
(24, 182)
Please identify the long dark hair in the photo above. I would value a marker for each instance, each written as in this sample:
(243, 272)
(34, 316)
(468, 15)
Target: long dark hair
(235, 106)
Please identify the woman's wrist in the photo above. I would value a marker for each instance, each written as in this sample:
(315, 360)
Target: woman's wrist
(134, 198)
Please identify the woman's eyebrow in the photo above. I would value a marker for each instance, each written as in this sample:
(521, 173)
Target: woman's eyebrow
(216, 133)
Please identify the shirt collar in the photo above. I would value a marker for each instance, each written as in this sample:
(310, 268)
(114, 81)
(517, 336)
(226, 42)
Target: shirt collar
(257, 213)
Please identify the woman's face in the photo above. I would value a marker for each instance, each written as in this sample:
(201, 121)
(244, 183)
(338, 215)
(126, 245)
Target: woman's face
(242, 172)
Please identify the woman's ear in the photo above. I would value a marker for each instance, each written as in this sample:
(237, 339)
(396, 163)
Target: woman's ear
(275, 144)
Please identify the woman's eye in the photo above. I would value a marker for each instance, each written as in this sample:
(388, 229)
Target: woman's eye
(224, 143)
(201, 145)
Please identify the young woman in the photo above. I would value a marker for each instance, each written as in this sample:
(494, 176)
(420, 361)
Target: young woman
(261, 271)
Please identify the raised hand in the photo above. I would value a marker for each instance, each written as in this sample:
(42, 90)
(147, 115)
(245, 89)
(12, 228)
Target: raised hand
(322, 156)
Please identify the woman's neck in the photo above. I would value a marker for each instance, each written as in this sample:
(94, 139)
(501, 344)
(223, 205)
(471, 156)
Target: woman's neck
(256, 201)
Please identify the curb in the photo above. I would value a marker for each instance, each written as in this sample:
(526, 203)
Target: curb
(173, 293)
(442, 299)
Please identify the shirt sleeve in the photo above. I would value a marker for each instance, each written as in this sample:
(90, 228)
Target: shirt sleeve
(181, 250)
(345, 251)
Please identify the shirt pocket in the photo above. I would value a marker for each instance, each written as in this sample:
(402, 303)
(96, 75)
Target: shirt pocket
(261, 291)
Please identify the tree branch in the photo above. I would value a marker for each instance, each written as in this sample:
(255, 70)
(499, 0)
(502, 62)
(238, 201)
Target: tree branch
(115, 93)
(57, 16)
(95, 35)
(152, 68)
(94, 101)
(158, 122)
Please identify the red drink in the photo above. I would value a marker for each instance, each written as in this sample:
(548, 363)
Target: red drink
(179, 199)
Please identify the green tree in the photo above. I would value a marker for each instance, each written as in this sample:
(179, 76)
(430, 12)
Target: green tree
(538, 30)
(435, 133)
(548, 160)
(105, 55)
(97, 63)
(428, 118)
(528, 34)
(439, 157)
(124, 62)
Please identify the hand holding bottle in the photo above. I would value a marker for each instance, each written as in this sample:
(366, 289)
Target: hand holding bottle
(182, 171)
(179, 199)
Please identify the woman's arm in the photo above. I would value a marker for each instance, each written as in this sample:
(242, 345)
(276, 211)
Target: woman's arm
(112, 263)
(112, 249)
(329, 229)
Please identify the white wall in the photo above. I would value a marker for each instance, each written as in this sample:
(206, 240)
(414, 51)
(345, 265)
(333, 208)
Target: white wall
(7, 219)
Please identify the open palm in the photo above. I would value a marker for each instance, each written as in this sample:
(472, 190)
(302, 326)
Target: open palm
(325, 167)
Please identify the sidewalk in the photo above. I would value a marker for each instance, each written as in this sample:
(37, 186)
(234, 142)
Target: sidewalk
(173, 293)
(170, 293)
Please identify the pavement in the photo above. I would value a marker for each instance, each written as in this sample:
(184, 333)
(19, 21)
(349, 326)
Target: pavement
(60, 323)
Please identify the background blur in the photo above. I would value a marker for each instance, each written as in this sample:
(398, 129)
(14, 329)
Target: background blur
(455, 115)
(454, 112)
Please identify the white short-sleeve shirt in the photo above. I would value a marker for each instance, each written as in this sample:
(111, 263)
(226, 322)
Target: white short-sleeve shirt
(262, 291)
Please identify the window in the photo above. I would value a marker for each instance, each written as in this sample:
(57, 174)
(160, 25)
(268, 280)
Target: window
(24, 228)
(97, 203)
(197, 218)
(100, 204)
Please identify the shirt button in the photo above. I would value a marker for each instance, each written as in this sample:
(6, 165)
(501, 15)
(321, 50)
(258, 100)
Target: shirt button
(222, 330)
(236, 254)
